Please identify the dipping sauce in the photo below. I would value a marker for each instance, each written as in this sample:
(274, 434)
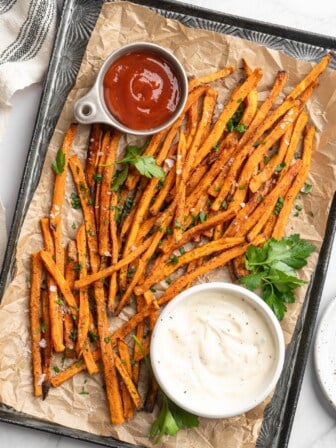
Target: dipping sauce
(141, 90)
(217, 353)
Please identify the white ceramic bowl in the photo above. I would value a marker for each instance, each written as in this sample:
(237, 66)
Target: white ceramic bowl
(163, 351)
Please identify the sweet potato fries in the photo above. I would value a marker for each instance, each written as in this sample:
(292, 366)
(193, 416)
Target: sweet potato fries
(232, 172)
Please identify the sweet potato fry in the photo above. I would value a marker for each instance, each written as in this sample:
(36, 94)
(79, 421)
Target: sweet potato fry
(46, 350)
(70, 276)
(163, 193)
(56, 317)
(125, 359)
(108, 358)
(134, 199)
(113, 286)
(192, 124)
(297, 184)
(269, 226)
(90, 363)
(93, 155)
(60, 178)
(105, 195)
(128, 383)
(238, 266)
(312, 76)
(56, 231)
(84, 309)
(294, 141)
(98, 176)
(149, 298)
(84, 318)
(251, 100)
(152, 392)
(180, 187)
(206, 79)
(139, 333)
(197, 175)
(35, 330)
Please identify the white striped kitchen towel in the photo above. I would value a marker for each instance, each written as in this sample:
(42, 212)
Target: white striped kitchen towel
(27, 30)
(26, 37)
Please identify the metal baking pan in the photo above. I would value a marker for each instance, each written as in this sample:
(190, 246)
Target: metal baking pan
(76, 23)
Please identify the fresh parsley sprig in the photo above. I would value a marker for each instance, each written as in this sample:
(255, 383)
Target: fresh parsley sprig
(273, 269)
(146, 165)
(171, 418)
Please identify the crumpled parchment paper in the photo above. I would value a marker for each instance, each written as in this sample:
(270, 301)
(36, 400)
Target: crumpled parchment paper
(201, 52)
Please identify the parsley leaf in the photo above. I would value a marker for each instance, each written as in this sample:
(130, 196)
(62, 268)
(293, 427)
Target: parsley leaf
(170, 420)
(273, 269)
(97, 177)
(75, 201)
(119, 178)
(146, 165)
(59, 163)
(278, 206)
(280, 167)
(306, 188)
(241, 128)
(232, 124)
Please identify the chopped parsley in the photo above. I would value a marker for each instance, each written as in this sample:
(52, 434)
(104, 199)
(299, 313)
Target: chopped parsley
(278, 206)
(306, 188)
(97, 177)
(58, 164)
(75, 201)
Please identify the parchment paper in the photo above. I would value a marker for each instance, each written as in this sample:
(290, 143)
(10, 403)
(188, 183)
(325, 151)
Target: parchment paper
(201, 52)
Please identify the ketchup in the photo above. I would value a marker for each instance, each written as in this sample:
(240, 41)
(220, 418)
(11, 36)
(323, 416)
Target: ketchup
(141, 90)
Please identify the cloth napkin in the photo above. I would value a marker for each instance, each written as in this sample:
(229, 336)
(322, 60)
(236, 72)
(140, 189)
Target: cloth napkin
(27, 30)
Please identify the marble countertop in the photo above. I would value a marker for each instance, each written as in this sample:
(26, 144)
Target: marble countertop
(314, 424)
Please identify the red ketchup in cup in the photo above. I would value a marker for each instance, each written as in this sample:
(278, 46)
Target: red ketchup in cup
(141, 90)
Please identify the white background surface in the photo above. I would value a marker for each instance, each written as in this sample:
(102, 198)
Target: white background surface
(314, 425)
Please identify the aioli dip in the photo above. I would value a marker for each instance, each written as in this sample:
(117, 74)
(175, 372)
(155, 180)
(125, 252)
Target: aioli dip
(215, 353)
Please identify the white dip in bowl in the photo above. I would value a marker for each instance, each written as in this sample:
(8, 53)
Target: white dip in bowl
(217, 350)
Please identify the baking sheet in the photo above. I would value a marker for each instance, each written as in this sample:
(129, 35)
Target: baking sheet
(323, 252)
